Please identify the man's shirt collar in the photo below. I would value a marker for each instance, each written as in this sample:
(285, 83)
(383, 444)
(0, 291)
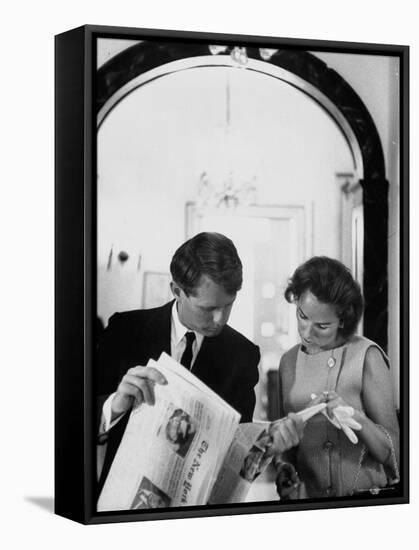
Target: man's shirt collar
(179, 331)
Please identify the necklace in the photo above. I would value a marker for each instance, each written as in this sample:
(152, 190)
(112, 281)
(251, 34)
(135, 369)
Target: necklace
(331, 362)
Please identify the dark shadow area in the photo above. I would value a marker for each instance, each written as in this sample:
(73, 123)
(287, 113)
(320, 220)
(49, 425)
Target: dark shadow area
(47, 503)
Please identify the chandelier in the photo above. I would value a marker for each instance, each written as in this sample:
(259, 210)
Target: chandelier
(227, 191)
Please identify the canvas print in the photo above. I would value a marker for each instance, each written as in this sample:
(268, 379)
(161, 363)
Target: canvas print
(249, 247)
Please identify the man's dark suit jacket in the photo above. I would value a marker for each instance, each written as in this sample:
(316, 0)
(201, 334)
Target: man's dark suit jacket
(227, 363)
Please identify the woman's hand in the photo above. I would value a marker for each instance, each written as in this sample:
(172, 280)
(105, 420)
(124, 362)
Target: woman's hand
(317, 399)
(334, 400)
(287, 481)
(343, 416)
(286, 433)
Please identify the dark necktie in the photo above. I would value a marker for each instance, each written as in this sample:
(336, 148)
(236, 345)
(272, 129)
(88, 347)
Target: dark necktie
(186, 359)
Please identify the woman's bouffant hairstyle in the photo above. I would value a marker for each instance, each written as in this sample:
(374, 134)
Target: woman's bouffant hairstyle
(332, 283)
(210, 254)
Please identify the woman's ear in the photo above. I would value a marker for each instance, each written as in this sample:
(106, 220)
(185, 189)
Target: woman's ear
(340, 325)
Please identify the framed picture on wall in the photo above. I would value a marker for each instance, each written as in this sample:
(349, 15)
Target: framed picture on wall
(253, 355)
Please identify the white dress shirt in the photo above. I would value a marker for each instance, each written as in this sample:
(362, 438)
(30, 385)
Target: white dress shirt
(178, 340)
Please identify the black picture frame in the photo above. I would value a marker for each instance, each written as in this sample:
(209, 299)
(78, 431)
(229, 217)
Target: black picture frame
(80, 93)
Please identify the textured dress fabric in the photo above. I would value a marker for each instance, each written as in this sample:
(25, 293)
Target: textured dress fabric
(326, 461)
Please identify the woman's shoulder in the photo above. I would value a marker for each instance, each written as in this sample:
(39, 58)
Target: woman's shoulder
(369, 349)
(375, 360)
(367, 356)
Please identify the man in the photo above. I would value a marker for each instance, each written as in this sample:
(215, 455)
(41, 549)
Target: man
(180, 430)
(206, 276)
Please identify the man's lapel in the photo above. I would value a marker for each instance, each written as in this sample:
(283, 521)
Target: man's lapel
(210, 364)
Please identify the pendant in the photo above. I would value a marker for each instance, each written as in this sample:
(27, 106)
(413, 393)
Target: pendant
(331, 362)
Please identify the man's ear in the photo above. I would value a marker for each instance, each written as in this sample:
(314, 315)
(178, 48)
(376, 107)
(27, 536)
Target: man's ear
(176, 290)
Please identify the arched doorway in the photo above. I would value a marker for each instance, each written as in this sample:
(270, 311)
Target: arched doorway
(149, 60)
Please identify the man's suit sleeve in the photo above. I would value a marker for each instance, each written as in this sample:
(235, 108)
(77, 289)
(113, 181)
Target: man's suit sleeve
(245, 399)
(108, 375)
(108, 356)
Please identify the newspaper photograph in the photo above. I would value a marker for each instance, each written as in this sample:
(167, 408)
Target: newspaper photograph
(248, 456)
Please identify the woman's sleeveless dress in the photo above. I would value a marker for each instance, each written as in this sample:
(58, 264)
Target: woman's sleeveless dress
(326, 461)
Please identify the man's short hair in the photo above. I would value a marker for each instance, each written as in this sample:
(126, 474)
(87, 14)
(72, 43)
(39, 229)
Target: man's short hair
(210, 254)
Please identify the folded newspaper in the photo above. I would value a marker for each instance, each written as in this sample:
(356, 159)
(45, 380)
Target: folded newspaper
(187, 449)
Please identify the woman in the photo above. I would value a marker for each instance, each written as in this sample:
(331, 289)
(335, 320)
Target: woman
(335, 366)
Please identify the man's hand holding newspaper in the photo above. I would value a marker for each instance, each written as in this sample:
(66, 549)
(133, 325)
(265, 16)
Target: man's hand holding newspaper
(137, 386)
(183, 444)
